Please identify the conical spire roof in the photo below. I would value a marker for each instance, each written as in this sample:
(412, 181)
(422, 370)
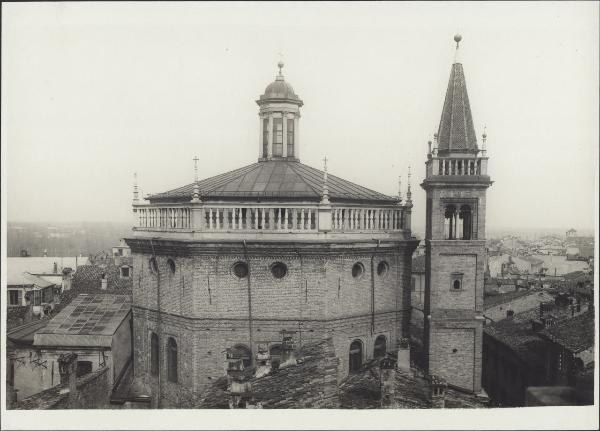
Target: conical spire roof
(456, 132)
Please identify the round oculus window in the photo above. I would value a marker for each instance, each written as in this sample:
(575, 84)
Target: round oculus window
(383, 268)
(240, 269)
(279, 270)
(358, 270)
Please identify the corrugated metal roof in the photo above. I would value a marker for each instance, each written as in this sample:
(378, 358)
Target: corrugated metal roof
(274, 179)
(89, 320)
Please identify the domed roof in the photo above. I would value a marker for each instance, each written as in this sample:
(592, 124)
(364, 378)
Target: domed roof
(280, 89)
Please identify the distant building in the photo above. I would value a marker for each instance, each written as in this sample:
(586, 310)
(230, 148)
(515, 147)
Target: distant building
(55, 270)
(571, 233)
(528, 264)
(28, 289)
(502, 306)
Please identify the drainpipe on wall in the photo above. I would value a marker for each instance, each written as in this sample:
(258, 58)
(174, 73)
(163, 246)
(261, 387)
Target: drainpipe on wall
(373, 289)
(158, 328)
(249, 301)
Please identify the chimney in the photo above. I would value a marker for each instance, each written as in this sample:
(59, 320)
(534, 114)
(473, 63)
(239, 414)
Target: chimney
(67, 367)
(263, 361)
(238, 387)
(387, 382)
(404, 356)
(103, 282)
(288, 354)
(437, 391)
(55, 269)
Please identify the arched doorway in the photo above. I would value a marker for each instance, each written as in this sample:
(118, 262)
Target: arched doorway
(380, 347)
(356, 355)
(275, 353)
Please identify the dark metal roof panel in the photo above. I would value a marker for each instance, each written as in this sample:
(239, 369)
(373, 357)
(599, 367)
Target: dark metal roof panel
(275, 179)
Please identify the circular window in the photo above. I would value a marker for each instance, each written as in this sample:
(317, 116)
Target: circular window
(456, 285)
(279, 270)
(153, 265)
(382, 268)
(358, 270)
(240, 269)
(171, 264)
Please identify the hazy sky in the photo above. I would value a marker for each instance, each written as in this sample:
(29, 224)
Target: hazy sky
(94, 92)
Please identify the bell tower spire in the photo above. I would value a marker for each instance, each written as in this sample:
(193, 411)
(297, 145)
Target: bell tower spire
(279, 115)
(455, 184)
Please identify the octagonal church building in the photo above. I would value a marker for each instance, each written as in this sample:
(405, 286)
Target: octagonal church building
(275, 247)
(246, 266)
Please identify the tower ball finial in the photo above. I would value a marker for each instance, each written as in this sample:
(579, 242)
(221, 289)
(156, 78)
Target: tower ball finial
(457, 38)
(280, 65)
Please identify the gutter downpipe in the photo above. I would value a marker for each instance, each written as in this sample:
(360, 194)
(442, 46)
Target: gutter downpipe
(158, 326)
(373, 288)
(249, 302)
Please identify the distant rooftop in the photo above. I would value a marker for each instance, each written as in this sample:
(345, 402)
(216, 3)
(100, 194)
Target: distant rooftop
(576, 334)
(16, 266)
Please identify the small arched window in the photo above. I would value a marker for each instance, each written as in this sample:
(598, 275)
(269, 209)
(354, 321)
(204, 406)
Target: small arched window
(450, 222)
(456, 285)
(172, 360)
(465, 221)
(171, 265)
(355, 356)
(380, 347)
(154, 354)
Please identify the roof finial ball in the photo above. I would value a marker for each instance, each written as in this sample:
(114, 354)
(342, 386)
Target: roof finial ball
(457, 39)
(280, 65)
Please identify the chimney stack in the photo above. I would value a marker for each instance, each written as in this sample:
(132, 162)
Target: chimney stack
(288, 354)
(404, 356)
(387, 381)
(238, 387)
(437, 391)
(67, 367)
(104, 282)
(263, 361)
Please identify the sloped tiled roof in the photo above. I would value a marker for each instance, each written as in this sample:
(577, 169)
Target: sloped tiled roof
(274, 179)
(518, 335)
(456, 131)
(16, 266)
(313, 380)
(23, 334)
(575, 334)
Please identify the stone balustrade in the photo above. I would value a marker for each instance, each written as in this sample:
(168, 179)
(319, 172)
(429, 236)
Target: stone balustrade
(352, 219)
(463, 166)
(200, 217)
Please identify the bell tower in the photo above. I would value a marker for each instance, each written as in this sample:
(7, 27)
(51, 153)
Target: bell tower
(455, 184)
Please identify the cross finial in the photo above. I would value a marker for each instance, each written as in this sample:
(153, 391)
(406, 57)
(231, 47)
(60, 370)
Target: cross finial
(196, 160)
(408, 192)
(280, 63)
(135, 188)
(400, 188)
(325, 194)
